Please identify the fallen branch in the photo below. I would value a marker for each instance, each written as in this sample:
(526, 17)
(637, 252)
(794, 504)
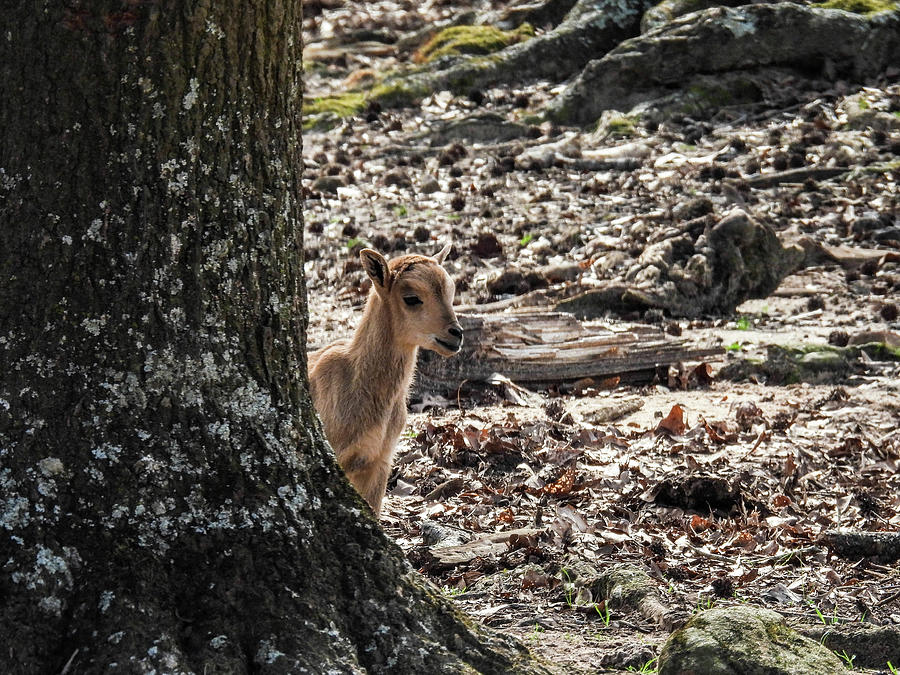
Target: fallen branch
(883, 547)
(537, 349)
(800, 175)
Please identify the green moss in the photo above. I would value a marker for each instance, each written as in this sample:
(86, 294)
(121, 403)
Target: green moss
(880, 351)
(714, 97)
(397, 93)
(326, 111)
(859, 6)
(620, 127)
(882, 167)
(458, 40)
(342, 105)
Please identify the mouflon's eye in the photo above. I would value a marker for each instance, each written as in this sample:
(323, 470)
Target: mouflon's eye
(412, 300)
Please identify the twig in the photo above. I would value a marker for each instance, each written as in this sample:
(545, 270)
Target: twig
(889, 599)
(708, 554)
(68, 665)
(796, 176)
(787, 555)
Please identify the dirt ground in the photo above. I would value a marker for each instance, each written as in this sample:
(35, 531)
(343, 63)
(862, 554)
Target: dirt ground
(599, 477)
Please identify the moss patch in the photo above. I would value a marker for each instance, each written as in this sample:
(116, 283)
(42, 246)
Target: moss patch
(620, 127)
(458, 40)
(859, 6)
(326, 111)
(743, 640)
(342, 105)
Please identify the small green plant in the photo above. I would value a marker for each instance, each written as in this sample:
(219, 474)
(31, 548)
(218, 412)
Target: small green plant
(568, 588)
(353, 241)
(833, 620)
(536, 632)
(524, 241)
(454, 217)
(846, 658)
(605, 614)
(743, 323)
(647, 668)
(704, 604)
(400, 211)
(892, 668)
(734, 347)
(452, 591)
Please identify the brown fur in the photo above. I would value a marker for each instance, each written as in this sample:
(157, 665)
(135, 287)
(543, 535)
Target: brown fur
(359, 386)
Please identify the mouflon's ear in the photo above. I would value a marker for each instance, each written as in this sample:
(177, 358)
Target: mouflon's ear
(377, 268)
(442, 254)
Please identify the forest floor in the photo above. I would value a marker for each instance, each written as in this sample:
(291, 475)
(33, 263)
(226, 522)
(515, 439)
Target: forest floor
(720, 488)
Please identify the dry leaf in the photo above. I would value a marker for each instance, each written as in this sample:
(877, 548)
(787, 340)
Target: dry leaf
(673, 422)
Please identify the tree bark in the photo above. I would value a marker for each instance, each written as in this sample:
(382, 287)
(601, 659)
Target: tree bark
(167, 499)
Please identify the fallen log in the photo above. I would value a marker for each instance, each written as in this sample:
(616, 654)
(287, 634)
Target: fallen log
(538, 349)
(881, 547)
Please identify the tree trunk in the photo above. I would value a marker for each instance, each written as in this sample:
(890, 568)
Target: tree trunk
(166, 499)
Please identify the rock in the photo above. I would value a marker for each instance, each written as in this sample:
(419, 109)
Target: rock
(873, 646)
(730, 39)
(328, 184)
(745, 640)
(667, 10)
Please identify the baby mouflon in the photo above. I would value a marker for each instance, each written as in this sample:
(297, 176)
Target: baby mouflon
(359, 386)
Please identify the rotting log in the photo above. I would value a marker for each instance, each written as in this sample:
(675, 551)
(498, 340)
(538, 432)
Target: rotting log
(882, 547)
(538, 349)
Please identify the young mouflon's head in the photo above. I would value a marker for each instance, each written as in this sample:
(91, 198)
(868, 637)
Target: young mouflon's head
(419, 295)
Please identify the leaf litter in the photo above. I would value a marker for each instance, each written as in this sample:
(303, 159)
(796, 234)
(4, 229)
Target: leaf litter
(722, 489)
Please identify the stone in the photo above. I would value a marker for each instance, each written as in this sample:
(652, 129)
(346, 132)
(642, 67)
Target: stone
(732, 40)
(746, 640)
